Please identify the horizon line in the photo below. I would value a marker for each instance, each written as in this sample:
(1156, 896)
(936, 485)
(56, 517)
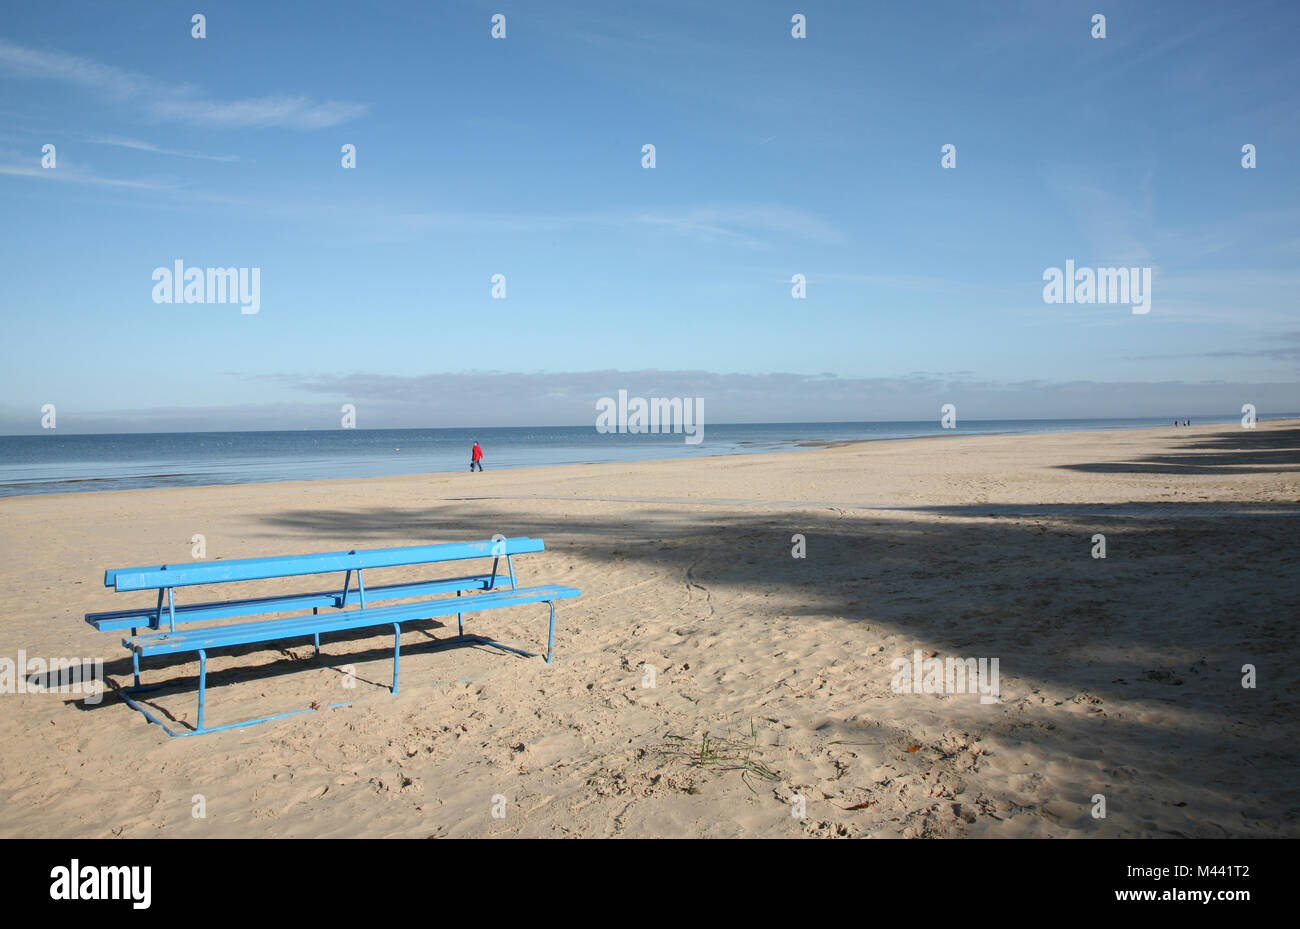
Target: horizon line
(830, 422)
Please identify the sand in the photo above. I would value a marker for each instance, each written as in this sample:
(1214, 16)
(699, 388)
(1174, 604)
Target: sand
(1118, 677)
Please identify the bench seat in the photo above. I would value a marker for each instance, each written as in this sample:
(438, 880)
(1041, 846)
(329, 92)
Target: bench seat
(189, 640)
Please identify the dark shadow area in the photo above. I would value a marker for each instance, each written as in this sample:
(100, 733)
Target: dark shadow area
(1156, 510)
(66, 674)
(1145, 623)
(1242, 451)
(336, 651)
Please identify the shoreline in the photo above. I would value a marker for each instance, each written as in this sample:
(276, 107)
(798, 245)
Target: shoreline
(797, 446)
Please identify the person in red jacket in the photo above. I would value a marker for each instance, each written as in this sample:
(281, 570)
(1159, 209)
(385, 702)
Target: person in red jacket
(476, 457)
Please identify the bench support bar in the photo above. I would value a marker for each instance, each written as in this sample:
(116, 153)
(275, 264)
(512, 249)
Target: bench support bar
(128, 692)
(135, 705)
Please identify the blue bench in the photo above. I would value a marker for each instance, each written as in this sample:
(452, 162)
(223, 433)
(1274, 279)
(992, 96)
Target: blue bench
(168, 629)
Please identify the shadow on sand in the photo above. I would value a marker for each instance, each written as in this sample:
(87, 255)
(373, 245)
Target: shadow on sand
(1181, 602)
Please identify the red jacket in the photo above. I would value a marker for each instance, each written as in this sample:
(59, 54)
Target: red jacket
(476, 454)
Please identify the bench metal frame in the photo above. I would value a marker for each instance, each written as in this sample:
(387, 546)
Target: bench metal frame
(167, 577)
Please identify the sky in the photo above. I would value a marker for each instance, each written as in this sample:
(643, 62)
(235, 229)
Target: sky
(522, 156)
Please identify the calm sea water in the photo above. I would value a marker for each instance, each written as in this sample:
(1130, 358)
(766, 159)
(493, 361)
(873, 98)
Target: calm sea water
(53, 462)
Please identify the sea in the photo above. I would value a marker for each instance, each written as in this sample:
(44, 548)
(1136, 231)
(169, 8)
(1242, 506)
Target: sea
(55, 462)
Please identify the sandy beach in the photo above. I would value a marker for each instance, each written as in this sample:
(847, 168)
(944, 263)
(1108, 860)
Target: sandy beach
(1118, 676)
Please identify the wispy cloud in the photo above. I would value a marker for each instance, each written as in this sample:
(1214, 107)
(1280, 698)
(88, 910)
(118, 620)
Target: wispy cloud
(1118, 226)
(290, 112)
(503, 398)
(139, 146)
(742, 223)
(57, 66)
(1279, 351)
(743, 219)
(181, 103)
(932, 285)
(73, 177)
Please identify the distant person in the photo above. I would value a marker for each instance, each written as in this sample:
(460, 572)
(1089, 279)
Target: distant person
(476, 457)
(1187, 422)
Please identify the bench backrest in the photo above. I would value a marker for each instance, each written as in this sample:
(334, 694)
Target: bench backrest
(251, 569)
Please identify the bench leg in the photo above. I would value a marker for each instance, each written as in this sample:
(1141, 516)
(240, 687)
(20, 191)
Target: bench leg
(135, 664)
(203, 684)
(397, 652)
(460, 621)
(550, 636)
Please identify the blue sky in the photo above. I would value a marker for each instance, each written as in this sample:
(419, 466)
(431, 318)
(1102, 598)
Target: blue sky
(522, 156)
